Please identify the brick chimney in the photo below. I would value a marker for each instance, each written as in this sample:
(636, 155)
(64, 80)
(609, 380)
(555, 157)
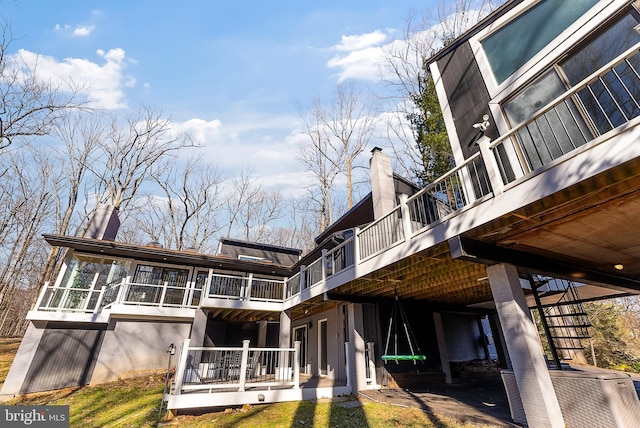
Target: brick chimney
(382, 185)
(104, 224)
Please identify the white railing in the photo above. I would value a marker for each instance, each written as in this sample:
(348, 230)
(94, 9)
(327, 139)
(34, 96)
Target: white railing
(62, 299)
(238, 287)
(339, 258)
(224, 368)
(266, 290)
(381, 234)
(314, 274)
(154, 295)
(605, 100)
(89, 301)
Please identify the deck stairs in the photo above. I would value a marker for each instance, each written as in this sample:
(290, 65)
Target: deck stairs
(562, 317)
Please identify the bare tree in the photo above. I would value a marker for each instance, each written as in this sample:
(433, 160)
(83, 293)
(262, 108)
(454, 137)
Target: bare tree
(81, 134)
(187, 214)
(315, 158)
(415, 118)
(29, 103)
(300, 230)
(338, 133)
(27, 193)
(251, 210)
(350, 119)
(131, 152)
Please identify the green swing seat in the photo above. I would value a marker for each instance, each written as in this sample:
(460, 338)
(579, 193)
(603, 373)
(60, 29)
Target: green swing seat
(404, 357)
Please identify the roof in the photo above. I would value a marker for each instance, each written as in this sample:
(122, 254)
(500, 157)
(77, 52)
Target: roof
(261, 246)
(157, 254)
(244, 249)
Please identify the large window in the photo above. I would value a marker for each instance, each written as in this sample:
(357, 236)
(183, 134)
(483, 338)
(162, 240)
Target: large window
(513, 45)
(612, 99)
(85, 276)
(158, 285)
(608, 72)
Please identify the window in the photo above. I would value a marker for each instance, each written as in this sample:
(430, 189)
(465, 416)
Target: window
(510, 47)
(612, 99)
(252, 258)
(604, 100)
(89, 273)
(158, 285)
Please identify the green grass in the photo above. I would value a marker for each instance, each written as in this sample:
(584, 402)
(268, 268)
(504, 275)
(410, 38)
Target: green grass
(135, 403)
(317, 415)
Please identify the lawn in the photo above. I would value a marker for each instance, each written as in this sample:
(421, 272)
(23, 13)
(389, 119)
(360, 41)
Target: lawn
(135, 403)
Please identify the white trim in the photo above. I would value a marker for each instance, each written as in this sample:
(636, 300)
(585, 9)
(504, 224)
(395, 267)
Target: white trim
(305, 327)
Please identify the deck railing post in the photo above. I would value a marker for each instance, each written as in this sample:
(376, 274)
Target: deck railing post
(96, 309)
(303, 279)
(243, 365)
(41, 296)
(182, 365)
(406, 216)
(247, 290)
(492, 166)
(324, 265)
(296, 365)
(122, 292)
(356, 246)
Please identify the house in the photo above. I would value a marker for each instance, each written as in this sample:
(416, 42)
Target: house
(541, 101)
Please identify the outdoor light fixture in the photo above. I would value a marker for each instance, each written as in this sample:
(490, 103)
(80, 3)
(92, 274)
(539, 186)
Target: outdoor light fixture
(619, 266)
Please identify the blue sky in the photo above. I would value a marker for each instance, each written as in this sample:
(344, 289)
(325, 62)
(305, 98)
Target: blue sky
(230, 72)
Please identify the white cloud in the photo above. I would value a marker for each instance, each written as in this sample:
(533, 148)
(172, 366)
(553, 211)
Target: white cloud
(102, 84)
(359, 56)
(77, 31)
(200, 131)
(360, 41)
(358, 64)
(83, 30)
(364, 56)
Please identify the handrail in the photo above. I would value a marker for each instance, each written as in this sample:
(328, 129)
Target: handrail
(209, 368)
(577, 116)
(568, 93)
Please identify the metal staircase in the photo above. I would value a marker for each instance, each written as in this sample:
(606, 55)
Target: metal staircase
(562, 317)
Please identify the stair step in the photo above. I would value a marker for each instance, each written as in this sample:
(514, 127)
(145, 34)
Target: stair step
(579, 314)
(571, 337)
(571, 326)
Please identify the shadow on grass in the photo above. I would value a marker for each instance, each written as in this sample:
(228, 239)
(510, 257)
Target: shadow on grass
(348, 414)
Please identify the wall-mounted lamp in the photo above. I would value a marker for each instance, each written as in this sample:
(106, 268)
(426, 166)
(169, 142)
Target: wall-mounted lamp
(310, 325)
(172, 349)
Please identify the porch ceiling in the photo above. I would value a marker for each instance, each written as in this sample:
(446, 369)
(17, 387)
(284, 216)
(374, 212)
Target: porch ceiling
(429, 275)
(582, 231)
(224, 314)
(579, 233)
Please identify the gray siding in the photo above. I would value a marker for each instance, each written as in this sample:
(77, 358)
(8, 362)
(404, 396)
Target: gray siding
(467, 95)
(65, 357)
